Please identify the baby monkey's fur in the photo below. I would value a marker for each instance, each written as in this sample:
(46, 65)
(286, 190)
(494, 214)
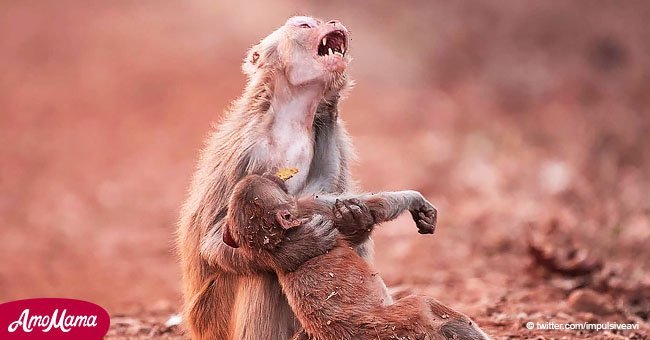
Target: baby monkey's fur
(335, 294)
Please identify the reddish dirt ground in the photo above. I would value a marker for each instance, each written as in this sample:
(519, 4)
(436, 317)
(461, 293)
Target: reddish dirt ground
(526, 124)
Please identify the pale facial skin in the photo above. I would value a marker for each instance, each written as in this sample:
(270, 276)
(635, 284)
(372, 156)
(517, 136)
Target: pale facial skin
(309, 50)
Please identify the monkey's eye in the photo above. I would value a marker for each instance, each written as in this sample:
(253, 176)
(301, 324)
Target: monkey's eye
(304, 26)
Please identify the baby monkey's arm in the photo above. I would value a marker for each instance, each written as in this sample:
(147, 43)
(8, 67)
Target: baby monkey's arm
(279, 231)
(355, 216)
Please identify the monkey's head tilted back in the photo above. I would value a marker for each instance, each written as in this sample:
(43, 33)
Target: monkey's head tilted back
(305, 50)
(259, 213)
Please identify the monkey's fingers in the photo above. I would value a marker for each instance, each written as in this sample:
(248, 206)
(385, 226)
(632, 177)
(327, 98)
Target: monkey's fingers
(340, 209)
(425, 220)
(360, 213)
(355, 210)
(369, 216)
(430, 216)
(425, 227)
(363, 206)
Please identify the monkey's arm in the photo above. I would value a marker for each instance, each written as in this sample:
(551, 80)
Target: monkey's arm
(355, 216)
(387, 206)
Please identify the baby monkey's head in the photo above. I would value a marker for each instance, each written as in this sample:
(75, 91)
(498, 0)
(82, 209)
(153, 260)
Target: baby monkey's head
(305, 49)
(259, 213)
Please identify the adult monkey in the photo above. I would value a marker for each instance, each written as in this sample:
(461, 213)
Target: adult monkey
(286, 117)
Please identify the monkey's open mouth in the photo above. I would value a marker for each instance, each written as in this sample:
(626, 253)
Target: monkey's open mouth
(333, 43)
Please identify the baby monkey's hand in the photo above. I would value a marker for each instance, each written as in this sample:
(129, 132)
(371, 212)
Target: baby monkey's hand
(355, 217)
(352, 217)
(425, 216)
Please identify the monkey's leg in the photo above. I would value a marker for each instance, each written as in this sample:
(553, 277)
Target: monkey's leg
(422, 317)
(366, 251)
(398, 292)
(408, 317)
(453, 324)
(261, 310)
(207, 313)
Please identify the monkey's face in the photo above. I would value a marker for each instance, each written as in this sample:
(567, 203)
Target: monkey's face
(306, 50)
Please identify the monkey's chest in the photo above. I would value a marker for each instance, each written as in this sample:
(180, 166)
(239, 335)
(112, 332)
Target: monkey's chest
(294, 150)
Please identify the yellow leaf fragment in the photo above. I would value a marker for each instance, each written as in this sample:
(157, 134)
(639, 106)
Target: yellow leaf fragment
(286, 173)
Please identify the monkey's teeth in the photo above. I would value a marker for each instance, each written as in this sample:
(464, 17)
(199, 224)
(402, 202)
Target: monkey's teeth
(325, 41)
(329, 51)
(342, 49)
(338, 53)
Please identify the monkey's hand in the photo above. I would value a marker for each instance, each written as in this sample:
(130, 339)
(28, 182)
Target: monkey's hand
(424, 214)
(353, 219)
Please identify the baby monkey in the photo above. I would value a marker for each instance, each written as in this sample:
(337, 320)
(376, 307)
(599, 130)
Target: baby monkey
(335, 294)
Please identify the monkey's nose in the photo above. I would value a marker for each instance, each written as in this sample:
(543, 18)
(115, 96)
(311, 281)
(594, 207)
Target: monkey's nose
(338, 25)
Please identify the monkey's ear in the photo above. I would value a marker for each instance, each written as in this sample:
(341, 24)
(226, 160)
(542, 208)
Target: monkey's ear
(227, 237)
(286, 219)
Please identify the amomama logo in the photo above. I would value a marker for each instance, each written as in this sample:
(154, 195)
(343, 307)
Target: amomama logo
(52, 318)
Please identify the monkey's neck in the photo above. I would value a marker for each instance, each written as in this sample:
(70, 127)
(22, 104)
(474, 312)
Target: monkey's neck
(289, 121)
(294, 107)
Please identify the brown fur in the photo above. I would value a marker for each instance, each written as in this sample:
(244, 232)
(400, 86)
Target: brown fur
(228, 296)
(335, 294)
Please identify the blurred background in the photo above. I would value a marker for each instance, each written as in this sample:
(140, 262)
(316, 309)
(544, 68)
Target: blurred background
(526, 123)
